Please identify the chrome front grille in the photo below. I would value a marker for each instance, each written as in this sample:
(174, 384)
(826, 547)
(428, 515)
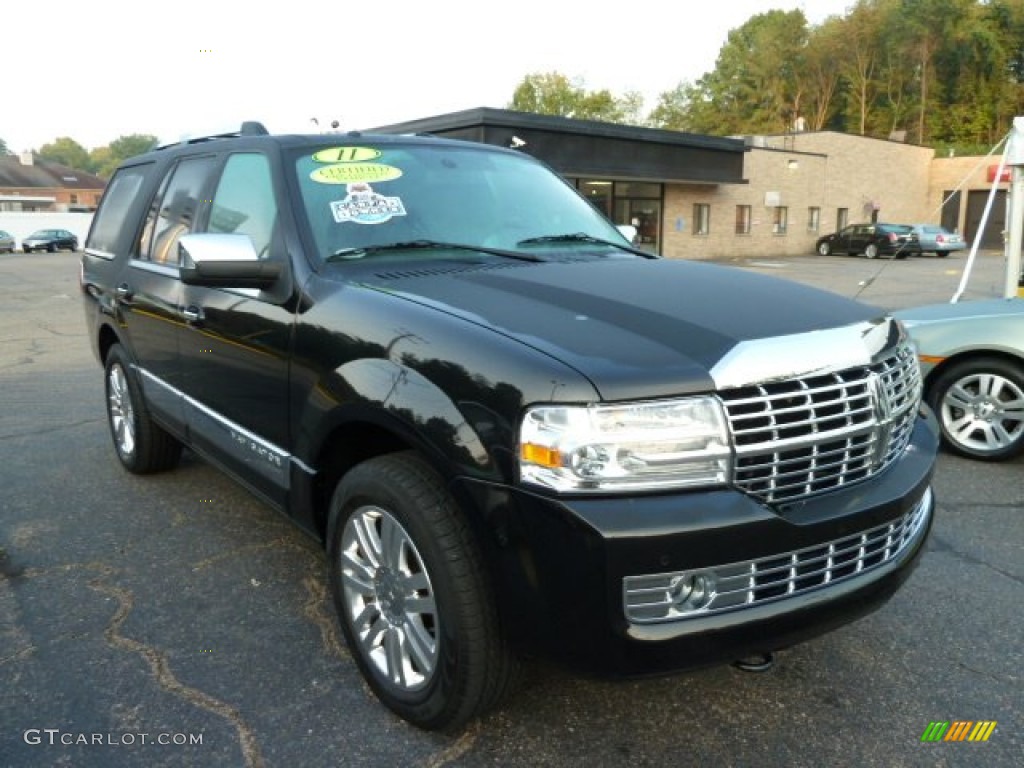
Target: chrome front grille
(670, 596)
(800, 437)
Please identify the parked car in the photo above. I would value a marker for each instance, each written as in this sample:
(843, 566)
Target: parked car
(931, 238)
(972, 361)
(7, 243)
(512, 430)
(50, 240)
(872, 239)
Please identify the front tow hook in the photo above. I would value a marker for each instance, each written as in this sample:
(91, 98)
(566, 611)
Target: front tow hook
(760, 662)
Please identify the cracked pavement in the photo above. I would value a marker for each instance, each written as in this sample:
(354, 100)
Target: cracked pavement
(179, 604)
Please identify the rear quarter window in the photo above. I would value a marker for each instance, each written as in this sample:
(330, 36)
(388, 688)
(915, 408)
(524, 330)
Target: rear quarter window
(112, 213)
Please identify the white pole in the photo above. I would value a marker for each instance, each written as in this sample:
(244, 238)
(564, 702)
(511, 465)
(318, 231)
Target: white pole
(1015, 217)
(966, 276)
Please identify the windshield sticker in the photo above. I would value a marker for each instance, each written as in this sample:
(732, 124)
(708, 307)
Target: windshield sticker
(348, 173)
(346, 155)
(364, 206)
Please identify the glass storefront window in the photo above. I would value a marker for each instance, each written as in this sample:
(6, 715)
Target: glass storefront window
(637, 203)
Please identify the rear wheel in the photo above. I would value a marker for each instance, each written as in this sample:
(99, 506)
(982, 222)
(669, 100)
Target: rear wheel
(142, 445)
(871, 251)
(412, 597)
(980, 406)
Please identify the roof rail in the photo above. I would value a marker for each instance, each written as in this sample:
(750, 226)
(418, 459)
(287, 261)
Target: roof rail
(248, 128)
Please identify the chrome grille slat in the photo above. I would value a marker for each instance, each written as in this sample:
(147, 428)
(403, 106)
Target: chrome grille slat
(648, 599)
(801, 437)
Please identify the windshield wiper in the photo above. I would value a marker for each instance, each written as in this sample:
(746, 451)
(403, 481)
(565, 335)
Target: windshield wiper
(582, 237)
(413, 245)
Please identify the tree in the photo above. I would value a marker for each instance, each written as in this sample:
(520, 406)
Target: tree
(3, 148)
(106, 159)
(553, 93)
(754, 87)
(674, 108)
(66, 151)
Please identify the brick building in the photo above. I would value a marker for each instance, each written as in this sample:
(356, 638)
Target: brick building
(28, 183)
(693, 196)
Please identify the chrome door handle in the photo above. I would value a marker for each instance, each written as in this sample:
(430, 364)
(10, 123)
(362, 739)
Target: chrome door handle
(192, 314)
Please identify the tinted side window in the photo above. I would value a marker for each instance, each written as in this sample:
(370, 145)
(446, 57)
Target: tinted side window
(244, 201)
(110, 216)
(175, 214)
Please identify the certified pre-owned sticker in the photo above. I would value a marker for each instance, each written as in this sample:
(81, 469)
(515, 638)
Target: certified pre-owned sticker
(364, 206)
(346, 155)
(348, 173)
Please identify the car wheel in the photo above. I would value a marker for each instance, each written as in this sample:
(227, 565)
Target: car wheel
(411, 594)
(871, 251)
(142, 445)
(980, 407)
(824, 249)
(941, 254)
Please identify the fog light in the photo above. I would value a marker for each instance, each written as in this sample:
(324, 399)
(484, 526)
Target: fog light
(691, 591)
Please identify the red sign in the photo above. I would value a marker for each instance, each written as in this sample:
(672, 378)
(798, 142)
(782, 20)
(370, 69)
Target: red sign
(994, 169)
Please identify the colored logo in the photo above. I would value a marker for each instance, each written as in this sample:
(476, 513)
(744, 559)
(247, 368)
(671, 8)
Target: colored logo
(364, 206)
(959, 730)
(347, 173)
(346, 155)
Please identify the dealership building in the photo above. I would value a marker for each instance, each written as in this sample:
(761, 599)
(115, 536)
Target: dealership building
(693, 196)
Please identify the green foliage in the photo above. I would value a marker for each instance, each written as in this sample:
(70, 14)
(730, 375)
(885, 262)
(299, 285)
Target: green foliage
(553, 93)
(106, 159)
(66, 151)
(942, 73)
(3, 148)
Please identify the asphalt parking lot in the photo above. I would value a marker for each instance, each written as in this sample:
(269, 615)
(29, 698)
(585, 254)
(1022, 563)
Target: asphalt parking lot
(177, 621)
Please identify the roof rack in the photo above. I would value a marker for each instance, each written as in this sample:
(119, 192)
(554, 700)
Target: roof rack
(248, 128)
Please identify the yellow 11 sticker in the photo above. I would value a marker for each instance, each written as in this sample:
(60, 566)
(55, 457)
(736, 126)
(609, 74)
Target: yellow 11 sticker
(346, 155)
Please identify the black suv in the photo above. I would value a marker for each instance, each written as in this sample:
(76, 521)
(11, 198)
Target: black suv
(511, 430)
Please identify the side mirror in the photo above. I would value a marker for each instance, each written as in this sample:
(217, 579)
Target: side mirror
(224, 261)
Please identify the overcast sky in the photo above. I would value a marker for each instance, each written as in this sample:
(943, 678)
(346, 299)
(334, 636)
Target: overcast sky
(102, 69)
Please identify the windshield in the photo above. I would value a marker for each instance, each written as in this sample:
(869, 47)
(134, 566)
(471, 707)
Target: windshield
(360, 195)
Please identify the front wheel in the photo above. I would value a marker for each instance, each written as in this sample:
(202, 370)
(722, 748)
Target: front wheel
(412, 596)
(980, 406)
(824, 249)
(142, 445)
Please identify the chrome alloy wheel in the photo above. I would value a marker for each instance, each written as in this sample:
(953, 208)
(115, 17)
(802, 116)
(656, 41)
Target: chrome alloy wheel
(122, 413)
(983, 412)
(389, 599)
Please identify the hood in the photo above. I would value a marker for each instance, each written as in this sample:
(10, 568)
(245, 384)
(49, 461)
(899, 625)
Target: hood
(635, 328)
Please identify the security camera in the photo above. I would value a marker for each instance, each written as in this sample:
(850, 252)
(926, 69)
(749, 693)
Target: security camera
(516, 142)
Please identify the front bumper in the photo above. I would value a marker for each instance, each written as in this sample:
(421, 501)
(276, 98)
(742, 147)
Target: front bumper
(561, 565)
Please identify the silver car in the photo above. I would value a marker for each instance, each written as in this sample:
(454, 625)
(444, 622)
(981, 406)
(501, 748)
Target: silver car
(931, 238)
(6, 242)
(972, 362)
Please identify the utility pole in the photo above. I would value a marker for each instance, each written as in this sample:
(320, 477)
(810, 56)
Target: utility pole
(1015, 212)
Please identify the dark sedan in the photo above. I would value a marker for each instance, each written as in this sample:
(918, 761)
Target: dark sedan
(50, 240)
(873, 240)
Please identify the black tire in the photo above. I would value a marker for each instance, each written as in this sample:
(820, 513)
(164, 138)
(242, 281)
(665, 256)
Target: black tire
(142, 445)
(871, 251)
(973, 401)
(454, 661)
(51, 248)
(824, 249)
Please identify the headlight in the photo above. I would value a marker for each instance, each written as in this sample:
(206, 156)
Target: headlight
(637, 446)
